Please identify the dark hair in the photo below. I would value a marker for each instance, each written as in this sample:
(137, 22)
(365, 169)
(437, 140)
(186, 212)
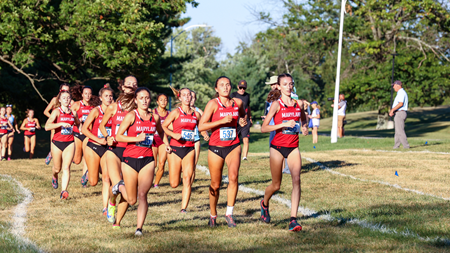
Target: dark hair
(141, 89)
(215, 85)
(159, 95)
(77, 91)
(57, 103)
(105, 88)
(64, 84)
(121, 82)
(127, 101)
(276, 94)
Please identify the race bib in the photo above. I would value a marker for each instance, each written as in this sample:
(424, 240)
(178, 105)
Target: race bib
(147, 143)
(291, 130)
(83, 118)
(4, 127)
(187, 135)
(117, 130)
(100, 135)
(32, 129)
(227, 133)
(66, 130)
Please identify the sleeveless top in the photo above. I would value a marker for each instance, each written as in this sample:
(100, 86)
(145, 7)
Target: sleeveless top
(32, 126)
(64, 134)
(3, 125)
(116, 121)
(226, 134)
(161, 119)
(185, 125)
(287, 137)
(144, 148)
(95, 130)
(82, 113)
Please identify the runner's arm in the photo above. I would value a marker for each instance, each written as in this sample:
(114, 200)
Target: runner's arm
(49, 107)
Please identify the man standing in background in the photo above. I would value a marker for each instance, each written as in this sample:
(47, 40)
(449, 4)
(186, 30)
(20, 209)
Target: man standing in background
(244, 132)
(399, 109)
(342, 107)
(273, 85)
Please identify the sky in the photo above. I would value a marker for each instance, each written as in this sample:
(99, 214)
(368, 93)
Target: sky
(231, 20)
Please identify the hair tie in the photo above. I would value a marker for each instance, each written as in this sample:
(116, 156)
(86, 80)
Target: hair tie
(105, 86)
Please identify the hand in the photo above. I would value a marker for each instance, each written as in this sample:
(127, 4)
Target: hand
(65, 124)
(206, 137)
(305, 130)
(110, 140)
(176, 136)
(168, 149)
(141, 136)
(290, 124)
(309, 116)
(263, 117)
(227, 119)
(332, 105)
(251, 121)
(19, 131)
(102, 141)
(391, 113)
(242, 122)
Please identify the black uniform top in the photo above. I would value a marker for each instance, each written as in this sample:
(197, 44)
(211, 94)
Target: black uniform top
(245, 99)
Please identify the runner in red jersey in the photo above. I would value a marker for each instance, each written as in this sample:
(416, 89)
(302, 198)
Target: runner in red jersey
(5, 125)
(184, 119)
(287, 115)
(29, 126)
(138, 164)
(83, 107)
(115, 113)
(221, 115)
(159, 151)
(62, 121)
(96, 146)
(47, 113)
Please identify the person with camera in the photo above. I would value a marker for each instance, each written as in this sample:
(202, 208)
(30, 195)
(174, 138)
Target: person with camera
(342, 107)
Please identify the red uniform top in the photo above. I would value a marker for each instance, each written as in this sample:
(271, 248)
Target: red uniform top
(3, 125)
(64, 134)
(287, 137)
(225, 135)
(185, 125)
(32, 126)
(116, 121)
(158, 141)
(97, 122)
(143, 148)
(82, 113)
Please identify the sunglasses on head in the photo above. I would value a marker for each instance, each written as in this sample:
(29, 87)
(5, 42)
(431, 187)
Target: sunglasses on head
(8, 105)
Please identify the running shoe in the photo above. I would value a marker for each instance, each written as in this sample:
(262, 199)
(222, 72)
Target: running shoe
(105, 211)
(55, 183)
(156, 186)
(111, 213)
(294, 226)
(115, 188)
(84, 178)
(9, 158)
(183, 211)
(3, 159)
(230, 221)
(265, 216)
(244, 158)
(64, 195)
(115, 226)
(212, 221)
(138, 232)
(48, 158)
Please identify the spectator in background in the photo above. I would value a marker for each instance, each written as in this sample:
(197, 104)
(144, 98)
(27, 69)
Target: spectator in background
(342, 107)
(273, 85)
(399, 109)
(315, 120)
(244, 131)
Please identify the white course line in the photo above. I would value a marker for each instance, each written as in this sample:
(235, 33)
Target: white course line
(323, 167)
(394, 151)
(327, 217)
(20, 215)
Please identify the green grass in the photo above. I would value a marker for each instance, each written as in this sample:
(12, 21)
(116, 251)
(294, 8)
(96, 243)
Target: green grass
(9, 243)
(8, 194)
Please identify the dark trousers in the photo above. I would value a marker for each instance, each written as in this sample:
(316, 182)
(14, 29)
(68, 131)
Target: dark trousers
(400, 135)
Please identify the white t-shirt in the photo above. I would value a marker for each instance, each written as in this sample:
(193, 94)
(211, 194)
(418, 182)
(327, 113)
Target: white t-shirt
(343, 105)
(315, 121)
(401, 97)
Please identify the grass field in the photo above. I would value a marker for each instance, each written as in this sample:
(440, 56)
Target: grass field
(370, 211)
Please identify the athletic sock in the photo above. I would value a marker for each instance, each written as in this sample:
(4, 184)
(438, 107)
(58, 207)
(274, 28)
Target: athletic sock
(213, 216)
(264, 205)
(293, 218)
(229, 210)
(111, 204)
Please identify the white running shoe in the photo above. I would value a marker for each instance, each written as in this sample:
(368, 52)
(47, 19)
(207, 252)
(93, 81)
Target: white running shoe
(138, 232)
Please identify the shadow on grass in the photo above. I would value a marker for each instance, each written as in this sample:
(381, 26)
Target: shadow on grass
(334, 164)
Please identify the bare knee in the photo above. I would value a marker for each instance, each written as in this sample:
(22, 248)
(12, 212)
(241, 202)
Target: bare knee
(174, 184)
(131, 201)
(276, 186)
(233, 179)
(142, 196)
(214, 189)
(93, 182)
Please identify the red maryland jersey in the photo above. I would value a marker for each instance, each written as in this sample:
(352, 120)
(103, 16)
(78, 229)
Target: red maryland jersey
(64, 134)
(185, 125)
(95, 130)
(287, 137)
(31, 124)
(143, 148)
(116, 121)
(226, 134)
(3, 125)
(82, 114)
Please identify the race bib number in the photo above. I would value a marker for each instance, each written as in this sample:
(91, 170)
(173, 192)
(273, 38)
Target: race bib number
(291, 130)
(83, 118)
(187, 135)
(227, 133)
(66, 130)
(100, 135)
(32, 129)
(147, 143)
(117, 130)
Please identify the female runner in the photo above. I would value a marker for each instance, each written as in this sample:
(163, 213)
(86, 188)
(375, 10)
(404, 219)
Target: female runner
(116, 113)
(182, 159)
(5, 125)
(83, 106)
(47, 112)
(13, 122)
(286, 113)
(62, 147)
(29, 126)
(197, 134)
(221, 116)
(96, 146)
(159, 151)
(138, 164)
